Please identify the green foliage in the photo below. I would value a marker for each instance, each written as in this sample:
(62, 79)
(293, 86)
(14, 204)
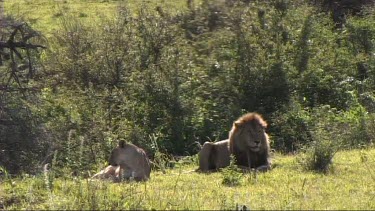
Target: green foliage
(319, 154)
(327, 138)
(181, 76)
(231, 174)
(166, 74)
(23, 138)
(161, 160)
(4, 173)
(291, 126)
(360, 131)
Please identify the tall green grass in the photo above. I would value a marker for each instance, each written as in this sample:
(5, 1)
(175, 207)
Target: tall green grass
(350, 185)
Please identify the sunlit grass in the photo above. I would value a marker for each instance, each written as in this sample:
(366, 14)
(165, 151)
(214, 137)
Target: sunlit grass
(44, 15)
(350, 185)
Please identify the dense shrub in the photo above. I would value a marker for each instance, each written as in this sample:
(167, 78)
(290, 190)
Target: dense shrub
(318, 156)
(327, 136)
(23, 138)
(164, 79)
(291, 128)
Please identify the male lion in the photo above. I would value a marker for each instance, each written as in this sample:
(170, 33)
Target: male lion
(214, 155)
(249, 143)
(132, 160)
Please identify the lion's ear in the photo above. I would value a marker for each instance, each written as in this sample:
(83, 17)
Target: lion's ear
(121, 143)
(263, 123)
(237, 125)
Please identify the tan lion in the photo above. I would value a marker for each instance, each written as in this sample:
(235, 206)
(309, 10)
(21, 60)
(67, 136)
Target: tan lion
(248, 143)
(132, 160)
(214, 155)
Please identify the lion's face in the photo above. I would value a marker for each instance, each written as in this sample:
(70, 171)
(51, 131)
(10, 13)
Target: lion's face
(249, 142)
(253, 136)
(116, 156)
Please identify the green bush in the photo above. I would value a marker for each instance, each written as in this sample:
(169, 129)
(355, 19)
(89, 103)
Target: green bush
(231, 174)
(327, 134)
(291, 128)
(318, 155)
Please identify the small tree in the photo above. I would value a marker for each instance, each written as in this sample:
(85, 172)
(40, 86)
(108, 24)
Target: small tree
(19, 128)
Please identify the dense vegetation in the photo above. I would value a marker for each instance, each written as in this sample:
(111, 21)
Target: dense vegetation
(78, 75)
(164, 80)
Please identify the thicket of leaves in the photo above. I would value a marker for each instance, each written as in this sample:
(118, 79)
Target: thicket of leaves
(164, 81)
(22, 137)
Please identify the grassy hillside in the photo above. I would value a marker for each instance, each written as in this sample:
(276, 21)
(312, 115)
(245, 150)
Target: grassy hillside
(350, 185)
(44, 14)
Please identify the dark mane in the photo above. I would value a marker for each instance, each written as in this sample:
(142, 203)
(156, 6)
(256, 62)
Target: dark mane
(250, 117)
(239, 148)
(247, 142)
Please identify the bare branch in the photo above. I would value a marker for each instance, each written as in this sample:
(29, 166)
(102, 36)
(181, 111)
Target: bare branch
(23, 45)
